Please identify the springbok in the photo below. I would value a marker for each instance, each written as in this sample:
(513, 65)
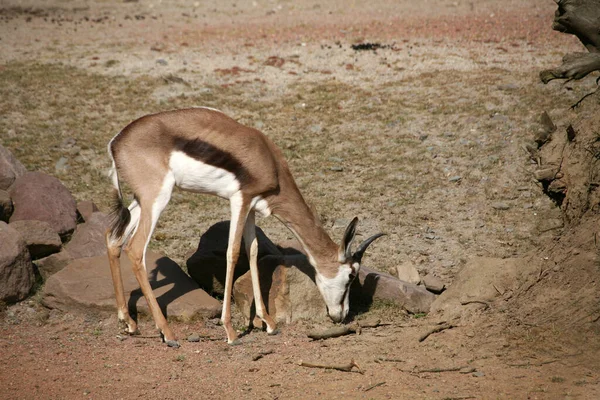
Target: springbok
(203, 150)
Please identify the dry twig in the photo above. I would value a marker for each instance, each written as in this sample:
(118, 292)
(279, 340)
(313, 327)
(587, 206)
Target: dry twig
(373, 386)
(485, 303)
(528, 364)
(340, 367)
(450, 369)
(385, 359)
(436, 329)
(260, 355)
(336, 331)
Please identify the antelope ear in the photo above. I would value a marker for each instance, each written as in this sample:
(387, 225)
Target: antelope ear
(347, 239)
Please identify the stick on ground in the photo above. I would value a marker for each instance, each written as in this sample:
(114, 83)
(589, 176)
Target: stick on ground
(260, 355)
(451, 369)
(374, 386)
(436, 329)
(340, 367)
(336, 331)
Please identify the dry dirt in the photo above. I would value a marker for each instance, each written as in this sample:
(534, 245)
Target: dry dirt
(422, 139)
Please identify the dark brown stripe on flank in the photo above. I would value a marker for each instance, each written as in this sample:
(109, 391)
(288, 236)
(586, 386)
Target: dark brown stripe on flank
(211, 155)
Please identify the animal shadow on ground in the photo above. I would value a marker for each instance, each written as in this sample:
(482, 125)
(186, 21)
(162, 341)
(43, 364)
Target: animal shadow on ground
(171, 274)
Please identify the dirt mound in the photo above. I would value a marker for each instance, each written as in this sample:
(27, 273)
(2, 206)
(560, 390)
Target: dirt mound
(562, 307)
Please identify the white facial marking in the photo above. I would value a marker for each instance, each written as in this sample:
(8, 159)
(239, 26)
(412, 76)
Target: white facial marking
(335, 292)
(191, 174)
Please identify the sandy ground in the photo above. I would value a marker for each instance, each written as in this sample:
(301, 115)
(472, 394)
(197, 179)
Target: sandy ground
(422, 139)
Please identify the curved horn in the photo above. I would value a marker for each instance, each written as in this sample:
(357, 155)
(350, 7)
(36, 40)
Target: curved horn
(363, 246)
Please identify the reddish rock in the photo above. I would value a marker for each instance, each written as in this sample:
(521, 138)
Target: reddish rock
(6, 206)
(16, 269)
(86, 208)
(50, 265)
(88, 239)
(10, 168)
(86, 284)
(40, 238)
(41, 197)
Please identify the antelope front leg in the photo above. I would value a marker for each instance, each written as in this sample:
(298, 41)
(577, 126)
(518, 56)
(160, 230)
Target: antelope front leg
(239, 213)
(252, 251)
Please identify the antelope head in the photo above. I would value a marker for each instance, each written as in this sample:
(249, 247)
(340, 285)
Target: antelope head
(336, 290)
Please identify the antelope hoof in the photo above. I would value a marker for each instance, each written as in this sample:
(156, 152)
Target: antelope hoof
(234, 342)
(172, 343)
(273, 332)
(128, 328)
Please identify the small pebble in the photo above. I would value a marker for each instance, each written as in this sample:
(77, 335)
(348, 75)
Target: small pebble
(316, 128)
(500, 206)
(194, 337)
(508, 86)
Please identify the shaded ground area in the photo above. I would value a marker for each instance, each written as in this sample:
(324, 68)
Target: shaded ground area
(422, 138)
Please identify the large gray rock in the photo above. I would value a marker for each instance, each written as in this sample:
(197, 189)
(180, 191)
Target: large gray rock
(10, 168)
(88, 239)
(16, 269)
(86, 284)
(288, 290)
(41, 197)
(40, 238)
(6, 206)
(208, 264)
(482, 281)
(371, 285)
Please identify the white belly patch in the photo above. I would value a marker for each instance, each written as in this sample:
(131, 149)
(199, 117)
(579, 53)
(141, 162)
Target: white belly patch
(191, 174)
